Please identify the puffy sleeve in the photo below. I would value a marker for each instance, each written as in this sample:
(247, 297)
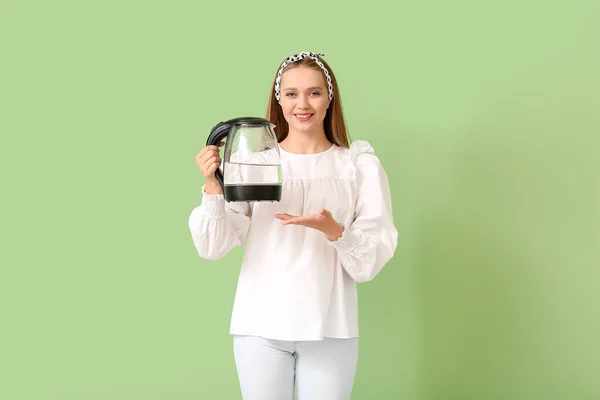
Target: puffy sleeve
(218, 226)
(370, 241)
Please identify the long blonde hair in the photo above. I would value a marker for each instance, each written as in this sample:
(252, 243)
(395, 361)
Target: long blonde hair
(333, 124)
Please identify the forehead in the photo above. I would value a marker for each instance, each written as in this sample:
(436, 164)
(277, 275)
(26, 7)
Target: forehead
(300, 77)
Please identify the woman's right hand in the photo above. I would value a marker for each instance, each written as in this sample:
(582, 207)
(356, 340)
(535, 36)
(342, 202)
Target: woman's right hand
(208, 160)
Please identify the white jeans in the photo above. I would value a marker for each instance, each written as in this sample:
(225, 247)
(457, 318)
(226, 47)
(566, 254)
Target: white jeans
(272, 369)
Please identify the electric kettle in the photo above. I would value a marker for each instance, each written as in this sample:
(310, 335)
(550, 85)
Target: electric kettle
(251, 163)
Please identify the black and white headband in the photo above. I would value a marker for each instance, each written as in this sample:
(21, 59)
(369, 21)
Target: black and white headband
(298, 57)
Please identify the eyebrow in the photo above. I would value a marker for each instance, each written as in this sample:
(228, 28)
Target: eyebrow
(310, 88)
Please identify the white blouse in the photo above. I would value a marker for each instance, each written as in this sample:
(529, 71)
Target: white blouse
(294, 283)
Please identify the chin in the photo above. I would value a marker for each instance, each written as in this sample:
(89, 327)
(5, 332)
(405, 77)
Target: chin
(303, 126)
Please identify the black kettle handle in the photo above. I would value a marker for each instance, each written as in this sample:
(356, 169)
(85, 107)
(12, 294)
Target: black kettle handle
(217, 134)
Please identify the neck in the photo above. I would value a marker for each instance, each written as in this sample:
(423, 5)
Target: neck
(305, 142)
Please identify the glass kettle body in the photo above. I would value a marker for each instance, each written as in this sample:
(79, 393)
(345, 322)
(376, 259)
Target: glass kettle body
(251, 164)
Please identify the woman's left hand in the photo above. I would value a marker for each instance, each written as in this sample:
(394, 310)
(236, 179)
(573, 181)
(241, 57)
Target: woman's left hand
(322, 221)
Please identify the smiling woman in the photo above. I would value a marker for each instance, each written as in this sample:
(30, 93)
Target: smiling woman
(295, 313)
(303, 96)
(303, 91)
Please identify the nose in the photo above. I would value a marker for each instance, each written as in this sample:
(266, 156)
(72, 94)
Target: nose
(303, 102)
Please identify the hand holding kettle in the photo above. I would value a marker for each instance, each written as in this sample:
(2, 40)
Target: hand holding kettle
(208, 160)
(250, 170)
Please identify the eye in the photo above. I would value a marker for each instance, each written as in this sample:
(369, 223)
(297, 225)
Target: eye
(315, 93)
(289, 94)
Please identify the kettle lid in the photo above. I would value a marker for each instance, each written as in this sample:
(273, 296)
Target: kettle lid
(248, 121)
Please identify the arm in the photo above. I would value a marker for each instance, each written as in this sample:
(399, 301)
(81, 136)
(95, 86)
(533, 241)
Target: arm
(217, 226)
(371, 239)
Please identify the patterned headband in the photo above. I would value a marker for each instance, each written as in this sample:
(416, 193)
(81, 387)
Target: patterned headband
(298, 57)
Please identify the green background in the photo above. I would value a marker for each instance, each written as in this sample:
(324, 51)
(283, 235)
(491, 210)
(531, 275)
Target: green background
(486, 116)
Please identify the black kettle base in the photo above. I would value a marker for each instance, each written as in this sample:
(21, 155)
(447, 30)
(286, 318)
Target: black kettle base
(252, 193)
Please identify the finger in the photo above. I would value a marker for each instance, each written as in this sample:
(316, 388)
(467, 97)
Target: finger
(206, 160)
(211, 165)
(211, 149)
(305, 220)
(211, 169)
(284, 216)
(210, 158)
(215, 146)
(287, 218)
(208, 149)
(208, 155)
(204, 150)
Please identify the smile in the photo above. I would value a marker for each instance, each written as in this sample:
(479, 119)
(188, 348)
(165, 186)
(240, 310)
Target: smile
(303, 117)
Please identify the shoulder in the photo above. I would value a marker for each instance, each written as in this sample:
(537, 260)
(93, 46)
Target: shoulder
(356, 149)
(365, 162)
(362, 155)
(359, 149)
(358, 159)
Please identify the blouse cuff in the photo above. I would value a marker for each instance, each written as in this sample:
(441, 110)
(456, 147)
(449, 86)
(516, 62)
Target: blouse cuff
(213, 205)
(346, 243)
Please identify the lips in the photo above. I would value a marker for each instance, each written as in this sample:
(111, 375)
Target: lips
(303, 117)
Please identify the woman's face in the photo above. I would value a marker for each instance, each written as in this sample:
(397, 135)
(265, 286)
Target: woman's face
(304, 99)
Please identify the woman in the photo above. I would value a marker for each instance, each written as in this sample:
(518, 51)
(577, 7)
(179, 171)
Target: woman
(295, 314)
